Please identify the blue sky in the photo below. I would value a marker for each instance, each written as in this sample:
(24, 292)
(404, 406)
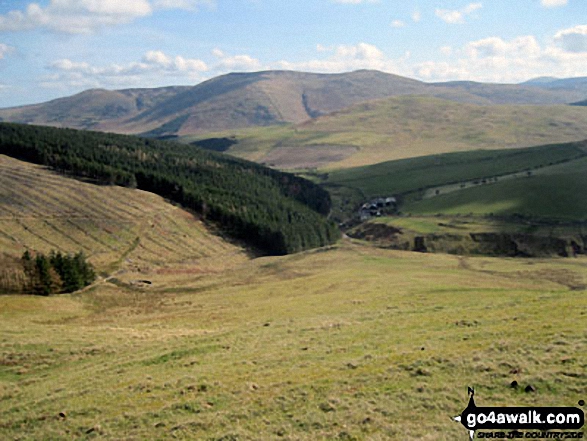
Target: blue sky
(53, 48)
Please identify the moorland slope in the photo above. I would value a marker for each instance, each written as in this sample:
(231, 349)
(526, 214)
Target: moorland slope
(345, 343)
(241, 100)
(405, 127)
(121, 230)
(275, 212)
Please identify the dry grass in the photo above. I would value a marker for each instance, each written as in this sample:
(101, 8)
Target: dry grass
(406, 127)
(346, 343)
(349, 342)
(117, 228)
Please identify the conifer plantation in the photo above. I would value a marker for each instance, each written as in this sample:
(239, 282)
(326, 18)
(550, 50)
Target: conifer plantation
(56, 273)
(275, 212)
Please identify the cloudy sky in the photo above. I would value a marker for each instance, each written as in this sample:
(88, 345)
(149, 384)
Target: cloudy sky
(53, 48)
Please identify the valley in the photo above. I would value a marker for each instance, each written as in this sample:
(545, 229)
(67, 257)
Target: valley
(346, 342)
(236, 301)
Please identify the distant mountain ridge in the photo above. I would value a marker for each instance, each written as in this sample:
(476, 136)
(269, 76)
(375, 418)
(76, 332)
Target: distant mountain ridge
(578, 83)
(241, 100)
(540, 81)
(90, 108)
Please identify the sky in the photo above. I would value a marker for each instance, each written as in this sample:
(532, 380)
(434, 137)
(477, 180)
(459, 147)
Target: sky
(55, 48)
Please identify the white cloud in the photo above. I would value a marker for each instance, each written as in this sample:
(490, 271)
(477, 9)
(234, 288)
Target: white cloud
(416, 16)
(153, 67)
(397, 24)
(457, 16)
(553, 3)
(4, 50)
(235, 62)
(497, 60)
(157, 57)
(158, 60)
(188, 5)
(86, 16)
(344, 58)
(322, 48)
(472, 7)
(360, 51)
(181, 64)
(438, 71)
(526, 46)
(573, 39)
(452, 17)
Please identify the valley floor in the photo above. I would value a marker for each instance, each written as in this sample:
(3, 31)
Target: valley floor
(349, 342)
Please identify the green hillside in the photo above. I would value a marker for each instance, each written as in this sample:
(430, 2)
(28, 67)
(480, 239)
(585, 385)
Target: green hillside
(473, 173)
(90, 109)
(344, 344)
(559, 192)
(405, 127)
(185, 337)
(273, 211)
(260, 99)
(231, 101)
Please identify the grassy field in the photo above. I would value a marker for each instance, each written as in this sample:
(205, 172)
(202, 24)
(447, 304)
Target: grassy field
(349, 342)
(346, 343)
(560, 192)
(545, 181)
(406, 127)
(471, 235)
(473, 224)
(407, 175)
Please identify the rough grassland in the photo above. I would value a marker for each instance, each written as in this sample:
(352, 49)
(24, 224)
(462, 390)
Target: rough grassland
(546, 181)
(558, 193)
(406, 127)
(113, 226)
(408, 175)
(349, 342)
(474, 224)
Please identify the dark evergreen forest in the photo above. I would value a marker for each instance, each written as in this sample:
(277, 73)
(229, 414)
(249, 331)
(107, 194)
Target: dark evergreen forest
(57, 273)
(275, 212)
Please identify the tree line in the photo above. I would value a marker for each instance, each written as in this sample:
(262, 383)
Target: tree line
(277, 213)
(56, 273)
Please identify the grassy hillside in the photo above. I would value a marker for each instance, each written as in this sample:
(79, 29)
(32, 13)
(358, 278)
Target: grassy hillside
(349, 343)
(408, 175)
(227, 102)
(95, 108)
(189, 338)
(411, 177)
(578, 84)
(405, 127)
(115, 227)
(547, 92)
(559, 192)
(259, 99)
(272, 211)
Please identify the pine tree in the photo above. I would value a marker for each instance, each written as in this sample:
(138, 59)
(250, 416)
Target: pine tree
(42, 283)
